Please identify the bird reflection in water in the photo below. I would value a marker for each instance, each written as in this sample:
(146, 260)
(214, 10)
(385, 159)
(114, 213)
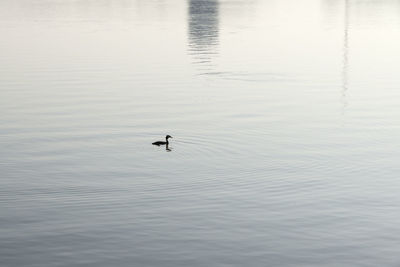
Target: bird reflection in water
(167, 148)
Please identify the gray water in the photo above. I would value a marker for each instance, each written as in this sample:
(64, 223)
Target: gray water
(285, 117)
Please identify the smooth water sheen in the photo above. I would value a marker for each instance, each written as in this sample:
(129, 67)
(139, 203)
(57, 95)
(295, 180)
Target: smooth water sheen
(286, 123)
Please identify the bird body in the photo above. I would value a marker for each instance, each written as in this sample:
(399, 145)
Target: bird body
(159, 143)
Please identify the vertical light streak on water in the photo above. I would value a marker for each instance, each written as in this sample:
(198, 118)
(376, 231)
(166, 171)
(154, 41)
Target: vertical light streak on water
(345, 68)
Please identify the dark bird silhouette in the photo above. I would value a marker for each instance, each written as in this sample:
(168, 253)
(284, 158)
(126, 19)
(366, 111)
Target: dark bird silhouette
(159, 143)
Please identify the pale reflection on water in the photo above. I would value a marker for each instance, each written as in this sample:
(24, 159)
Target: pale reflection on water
(284, 116)
(203, 31)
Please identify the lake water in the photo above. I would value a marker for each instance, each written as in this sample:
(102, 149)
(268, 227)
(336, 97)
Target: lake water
(285, 117)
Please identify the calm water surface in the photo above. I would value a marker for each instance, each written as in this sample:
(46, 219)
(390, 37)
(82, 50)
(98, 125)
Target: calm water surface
(285, 117)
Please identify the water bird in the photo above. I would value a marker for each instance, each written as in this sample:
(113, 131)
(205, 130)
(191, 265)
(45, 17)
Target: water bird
(159, 143)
